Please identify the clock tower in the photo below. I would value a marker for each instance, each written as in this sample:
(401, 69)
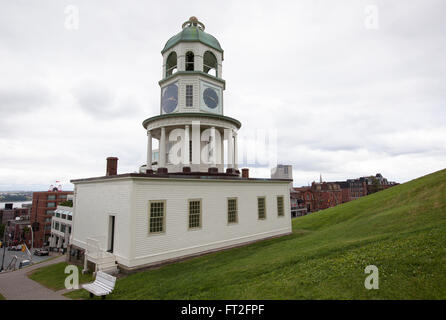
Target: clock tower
(192, 72)
(192, 95)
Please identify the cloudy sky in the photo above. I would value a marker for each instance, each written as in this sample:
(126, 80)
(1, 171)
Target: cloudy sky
(351, 87)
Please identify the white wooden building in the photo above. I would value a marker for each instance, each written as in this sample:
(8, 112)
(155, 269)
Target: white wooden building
(61, 225)
(196, 201)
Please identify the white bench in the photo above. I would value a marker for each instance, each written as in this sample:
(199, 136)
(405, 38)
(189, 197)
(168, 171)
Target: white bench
(102, 285)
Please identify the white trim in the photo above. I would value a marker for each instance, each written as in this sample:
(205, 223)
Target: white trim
(208, 179)
(285, 230)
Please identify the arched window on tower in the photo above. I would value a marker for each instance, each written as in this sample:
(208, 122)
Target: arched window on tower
(189, 61)
(210, 63)
(171, 64)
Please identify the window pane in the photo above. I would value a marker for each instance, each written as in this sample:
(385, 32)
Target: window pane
(261, 207)
(280, 211)
(156, 223)
(189, 95)
(194, 213)
(232, 210)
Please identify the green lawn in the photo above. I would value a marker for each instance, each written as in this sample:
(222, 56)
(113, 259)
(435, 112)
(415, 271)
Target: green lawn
(53, 276)
(401, 230)
(2, 297)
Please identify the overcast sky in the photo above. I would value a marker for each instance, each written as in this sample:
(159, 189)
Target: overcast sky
(349, 95)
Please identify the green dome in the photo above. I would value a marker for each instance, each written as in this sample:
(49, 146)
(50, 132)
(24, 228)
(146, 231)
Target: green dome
(193, 33)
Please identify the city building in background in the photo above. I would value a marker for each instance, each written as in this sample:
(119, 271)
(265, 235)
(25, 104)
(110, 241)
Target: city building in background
(19, 231)
(324, 195)
(16, 221)
(10, 213)
(283, 172)
(61, 223)
(43, 206)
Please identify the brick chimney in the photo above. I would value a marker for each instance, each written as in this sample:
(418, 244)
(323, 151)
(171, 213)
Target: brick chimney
(112, 166)
(245, 173)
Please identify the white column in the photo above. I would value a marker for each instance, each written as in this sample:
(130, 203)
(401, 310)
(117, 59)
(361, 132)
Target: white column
(149, 150)
(222, 155)
(162, 154)
(230, 150)
(186, 146)
(213, 148)
(235, 151)
(196, 143)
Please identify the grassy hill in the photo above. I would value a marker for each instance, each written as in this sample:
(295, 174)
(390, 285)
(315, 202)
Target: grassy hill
(401, 230)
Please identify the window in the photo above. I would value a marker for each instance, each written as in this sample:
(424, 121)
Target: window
(261, 208)
(62, 196)
(51, 204)
(189, 95)
(280, 211)
(56, 226)
(64, 216)
(47, 219)
(57, 214)
(69, 229)
(285, 170)
(232, 210)
(210, 63)
(51, 197)
(194, 214)
(48, 227)
(62, 227)
(171, 64)
(157, 219)
(70, 218)
(189, 61)
(50, 212)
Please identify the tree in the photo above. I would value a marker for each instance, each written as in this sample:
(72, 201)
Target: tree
(26, 230)
(376, 186)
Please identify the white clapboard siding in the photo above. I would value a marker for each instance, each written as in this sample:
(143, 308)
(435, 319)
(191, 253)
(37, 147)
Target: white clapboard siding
(128, 199)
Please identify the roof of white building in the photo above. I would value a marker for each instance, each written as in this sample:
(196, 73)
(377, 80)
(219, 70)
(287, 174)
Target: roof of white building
(64, 211)
(184, 176)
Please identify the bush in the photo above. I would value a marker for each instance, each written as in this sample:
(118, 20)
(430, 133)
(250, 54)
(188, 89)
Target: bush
(67, 203)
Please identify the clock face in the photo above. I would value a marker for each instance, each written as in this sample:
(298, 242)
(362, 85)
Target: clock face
(169, 100)
(210, 97)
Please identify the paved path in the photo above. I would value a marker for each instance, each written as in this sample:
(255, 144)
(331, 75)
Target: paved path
(17, 286)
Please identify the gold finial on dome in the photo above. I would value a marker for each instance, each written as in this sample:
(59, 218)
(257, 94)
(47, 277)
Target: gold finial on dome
(193, 22)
